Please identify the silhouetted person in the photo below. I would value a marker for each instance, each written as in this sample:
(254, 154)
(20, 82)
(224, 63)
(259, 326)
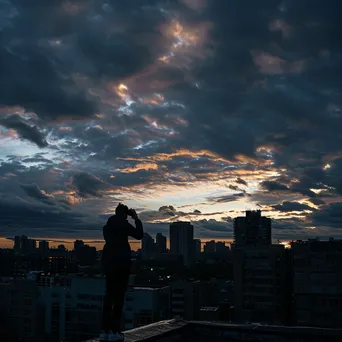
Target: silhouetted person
(116, 261)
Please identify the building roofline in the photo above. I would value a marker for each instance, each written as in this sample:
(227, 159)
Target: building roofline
(176, 327)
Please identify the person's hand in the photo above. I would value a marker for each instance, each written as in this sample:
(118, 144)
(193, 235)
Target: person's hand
(134, 215)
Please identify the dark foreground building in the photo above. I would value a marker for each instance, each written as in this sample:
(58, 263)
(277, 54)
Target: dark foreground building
(317, 283)
(178, 330)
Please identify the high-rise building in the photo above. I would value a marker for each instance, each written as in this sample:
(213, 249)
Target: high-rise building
(181, 240)
(160, 243)
(198, 247)
(317, 283)
(221, 247)
(32, 245)
(188, 297)
(24, 245)
(85, 255)
(210, 247)
(43, 246)
(147, 245)
(261, 284)
(78, 244)
(145, 305)
(73, 311)
(17, 243)
(19, 308)
(252, 230)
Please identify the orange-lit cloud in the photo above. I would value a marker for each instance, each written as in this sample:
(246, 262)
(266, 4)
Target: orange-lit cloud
(186, 40)
(179, 153)
(9, 133)
(139, 167)
(155, 99)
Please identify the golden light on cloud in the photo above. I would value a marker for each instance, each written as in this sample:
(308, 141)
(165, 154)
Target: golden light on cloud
(243, 159)
(165, 59)
(69, 196)
(152, 122)
(180, 153)
(122, 90)
(186, 40)
(155, 99)
(73, 200)
(182, 35)
(139, 167)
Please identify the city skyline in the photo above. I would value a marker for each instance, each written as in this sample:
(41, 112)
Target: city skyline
(69, 244)
(192, 110)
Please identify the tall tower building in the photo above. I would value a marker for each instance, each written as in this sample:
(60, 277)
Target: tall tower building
(181, 240)
(252, 230)
(78, 244)
(43, 246)
(261, 279)
(17, 243)
(261, 284)
(160, 243)
(198, 247)
(147, 245)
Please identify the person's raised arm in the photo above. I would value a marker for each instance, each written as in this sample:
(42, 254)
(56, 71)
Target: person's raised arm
(136, 232)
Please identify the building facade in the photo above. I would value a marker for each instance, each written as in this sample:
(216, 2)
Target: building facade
(181, 241)
(261, 285)
(317, 283)
(148, 246)
(160, 243)
(252, 229)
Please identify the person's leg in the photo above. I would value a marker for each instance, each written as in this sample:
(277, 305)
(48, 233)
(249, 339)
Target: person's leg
(108, 302)
(120, 287)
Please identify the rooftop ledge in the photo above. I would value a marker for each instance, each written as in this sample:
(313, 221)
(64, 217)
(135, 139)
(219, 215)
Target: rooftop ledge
(180, 330)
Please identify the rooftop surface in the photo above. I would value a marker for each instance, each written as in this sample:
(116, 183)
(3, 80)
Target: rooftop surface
(180, 330)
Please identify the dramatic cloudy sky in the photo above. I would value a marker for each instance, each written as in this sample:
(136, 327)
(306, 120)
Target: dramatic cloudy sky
(184, 109)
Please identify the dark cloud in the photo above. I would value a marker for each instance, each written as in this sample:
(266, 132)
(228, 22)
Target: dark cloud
(226, 198)
(29, 79)
(328, 216)
(167, 210)
(38, 220)
(241, 181)
(273, 186)
(288, 206)
(38, 159)
(87, 185)
(33, 191)
(24, 130)
(212, 228)
(39, 65)
(317, 201)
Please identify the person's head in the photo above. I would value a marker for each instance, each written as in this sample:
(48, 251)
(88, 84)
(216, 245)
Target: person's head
(121, 210)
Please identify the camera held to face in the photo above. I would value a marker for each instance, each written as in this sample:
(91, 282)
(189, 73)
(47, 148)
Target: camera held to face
(130, 212)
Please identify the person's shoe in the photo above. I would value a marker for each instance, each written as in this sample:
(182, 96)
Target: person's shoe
(118, 336)
(103, 336)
